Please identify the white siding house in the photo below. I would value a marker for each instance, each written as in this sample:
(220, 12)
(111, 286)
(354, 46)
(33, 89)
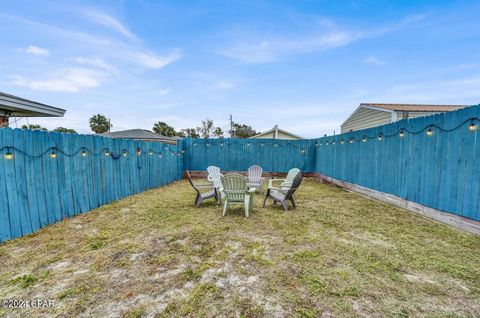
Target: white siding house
(369, 115)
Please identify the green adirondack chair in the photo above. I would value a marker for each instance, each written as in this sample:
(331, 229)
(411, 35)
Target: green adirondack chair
(236, 192)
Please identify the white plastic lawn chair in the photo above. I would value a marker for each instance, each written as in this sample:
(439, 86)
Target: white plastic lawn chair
(237, 192)
(255, 179)
(215, 176)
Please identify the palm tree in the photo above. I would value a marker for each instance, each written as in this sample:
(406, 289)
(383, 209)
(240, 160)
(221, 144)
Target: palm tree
(164, 129)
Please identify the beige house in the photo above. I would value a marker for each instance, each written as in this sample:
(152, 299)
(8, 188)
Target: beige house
(369, 115)
(277, 133)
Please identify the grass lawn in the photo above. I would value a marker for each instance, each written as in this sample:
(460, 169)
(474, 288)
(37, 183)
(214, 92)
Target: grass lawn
(154, 255)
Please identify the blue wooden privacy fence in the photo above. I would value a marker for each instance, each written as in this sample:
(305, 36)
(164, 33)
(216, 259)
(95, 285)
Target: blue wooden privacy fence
(46, 177)
(239, 154)
(434, 160)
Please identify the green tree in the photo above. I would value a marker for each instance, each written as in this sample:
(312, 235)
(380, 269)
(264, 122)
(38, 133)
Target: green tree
(65, 130)
(218, 132)
(242, 131)
(189, 132)
(100, 124)
(164, 129)
(33, 127)
(206, 129)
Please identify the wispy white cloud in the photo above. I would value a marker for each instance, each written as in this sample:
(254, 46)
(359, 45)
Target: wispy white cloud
(96, 62)
(34, 50)
(154, 61)
(373, 60)
(71, 80)
(255, 47)
(110, 22)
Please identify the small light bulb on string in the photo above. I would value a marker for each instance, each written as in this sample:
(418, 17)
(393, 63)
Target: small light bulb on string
(125, 153)
(275, 145)
(107, 153)
(53, 154)
(221, 144)
(351, 140)
(207, 144)
(302, 152)
(342, 141)
(248, 144)
(194, 143)
(429, 132)
(401, 134)
(380, 137)
(8, 155)
(333, 142)
(150, 153)
(263, 144)
(183, 151)
(139, 151)
(84, 153)
(364, 139)
(472, 126)
(160, 155)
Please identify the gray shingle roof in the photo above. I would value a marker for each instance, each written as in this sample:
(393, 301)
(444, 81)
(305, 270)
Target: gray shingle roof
(141, 134)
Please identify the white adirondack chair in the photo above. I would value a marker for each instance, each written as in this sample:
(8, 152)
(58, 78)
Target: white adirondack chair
(215, 176)
(255, 179)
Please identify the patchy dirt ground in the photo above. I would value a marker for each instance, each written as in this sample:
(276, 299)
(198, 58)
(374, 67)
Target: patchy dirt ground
(155, 255)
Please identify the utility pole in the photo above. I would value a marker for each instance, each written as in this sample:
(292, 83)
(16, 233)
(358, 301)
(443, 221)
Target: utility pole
(232, 133)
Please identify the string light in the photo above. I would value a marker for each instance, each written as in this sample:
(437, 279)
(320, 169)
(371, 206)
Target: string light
(429, 132)
(84, 153)
(107, 152)
(341, 141)
(351, 140)
(125, 153)
(401, 134)
(150, 152)
(364, 138)
(160, 155)
(53, 155)
(380, 136)
(8, 155)
(139, 151)
(221, 145)
(472, 126)
(333, 142)
(302, 152)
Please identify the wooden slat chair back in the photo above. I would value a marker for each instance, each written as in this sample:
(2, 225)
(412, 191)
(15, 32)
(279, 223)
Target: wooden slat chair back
(236, 192)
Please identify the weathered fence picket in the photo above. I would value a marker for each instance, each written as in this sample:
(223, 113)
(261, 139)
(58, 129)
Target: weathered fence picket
(38, 188)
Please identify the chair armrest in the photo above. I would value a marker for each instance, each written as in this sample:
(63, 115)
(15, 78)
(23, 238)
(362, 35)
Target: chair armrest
(204, 185)
(278, 189)
(252, 190)
(270, 182)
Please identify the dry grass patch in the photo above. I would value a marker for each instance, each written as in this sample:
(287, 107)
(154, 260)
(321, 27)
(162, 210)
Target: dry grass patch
(155, 255)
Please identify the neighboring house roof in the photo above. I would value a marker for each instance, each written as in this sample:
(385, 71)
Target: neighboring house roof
(414, 107)
(21, 107)
(140, 134)
(275, 130)
(405, 108)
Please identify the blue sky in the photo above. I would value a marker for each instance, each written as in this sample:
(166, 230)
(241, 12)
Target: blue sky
(304, 65)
